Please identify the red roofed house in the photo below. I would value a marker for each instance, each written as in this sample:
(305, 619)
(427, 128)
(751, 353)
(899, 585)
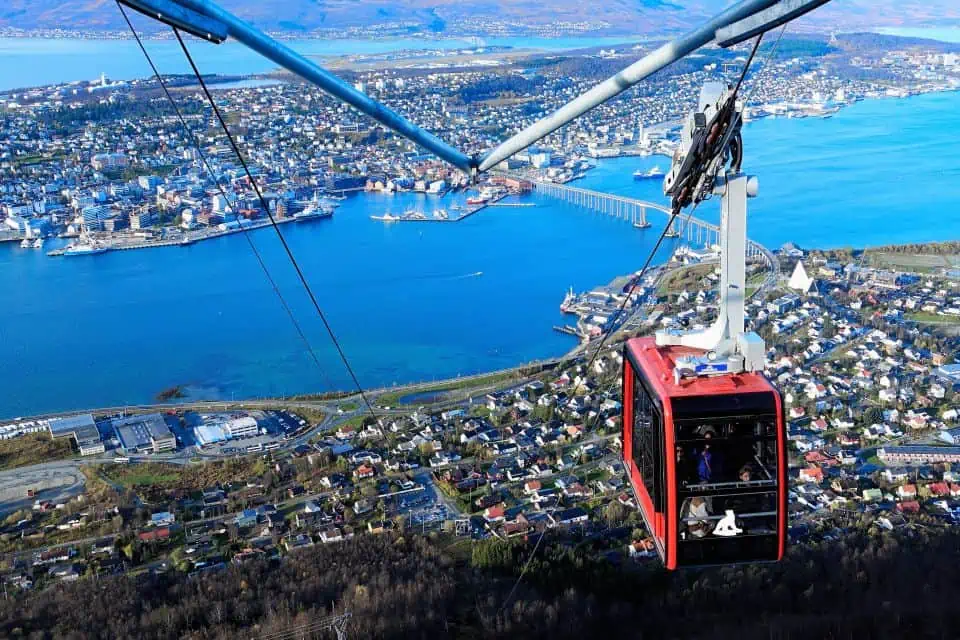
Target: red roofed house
(154, 534)
(907, 491)
(532, 486)
(909, 506)
(811, 474)
(939, 488)
(364, 471)
(954, 490)
(817, 457)
(819, 425)
(493, 514)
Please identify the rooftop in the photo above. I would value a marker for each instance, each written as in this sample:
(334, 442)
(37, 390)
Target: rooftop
(71, 424)
(138, 432)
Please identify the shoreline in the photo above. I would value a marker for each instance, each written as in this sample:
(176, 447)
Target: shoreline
(568, 352)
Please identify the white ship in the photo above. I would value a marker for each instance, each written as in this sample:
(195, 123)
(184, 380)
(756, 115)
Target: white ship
(84, 249)
(385, 218)
(569, 301)
(656, 172)
(314, 212)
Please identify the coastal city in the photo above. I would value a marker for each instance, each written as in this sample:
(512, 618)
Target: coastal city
(861, 346)
(107, 165)
(194, 495)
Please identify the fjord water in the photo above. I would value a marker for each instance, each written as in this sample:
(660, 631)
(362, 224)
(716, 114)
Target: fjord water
(31, 62)
(405, 298)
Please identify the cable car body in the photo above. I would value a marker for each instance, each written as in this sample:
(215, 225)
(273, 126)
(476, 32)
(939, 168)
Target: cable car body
(686, 442)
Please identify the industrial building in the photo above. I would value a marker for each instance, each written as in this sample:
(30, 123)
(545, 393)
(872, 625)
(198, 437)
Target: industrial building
(144, 434)
(220, 427)
(918, 454)
(82, 429)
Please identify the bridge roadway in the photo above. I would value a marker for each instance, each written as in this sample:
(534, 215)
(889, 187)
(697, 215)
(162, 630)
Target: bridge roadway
(694, 231)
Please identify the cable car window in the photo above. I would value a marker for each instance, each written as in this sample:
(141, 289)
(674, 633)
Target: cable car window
(728, 527)
(726, 453)
(647, 437)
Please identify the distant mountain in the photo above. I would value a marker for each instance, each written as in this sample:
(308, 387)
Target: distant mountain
(463, 16)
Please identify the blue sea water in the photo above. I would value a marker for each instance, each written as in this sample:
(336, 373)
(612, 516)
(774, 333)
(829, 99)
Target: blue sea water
(404, 298)
(31, 62)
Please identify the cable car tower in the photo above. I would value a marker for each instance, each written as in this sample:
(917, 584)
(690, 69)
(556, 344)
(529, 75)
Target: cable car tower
(704, 440)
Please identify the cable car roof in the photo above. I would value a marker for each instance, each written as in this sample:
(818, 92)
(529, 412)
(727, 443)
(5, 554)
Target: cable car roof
(658, 364)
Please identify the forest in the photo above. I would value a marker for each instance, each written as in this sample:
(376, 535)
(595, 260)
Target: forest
(864, 583)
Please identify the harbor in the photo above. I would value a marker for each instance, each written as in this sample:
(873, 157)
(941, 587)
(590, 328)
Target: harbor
(488, 197)
(126, 243)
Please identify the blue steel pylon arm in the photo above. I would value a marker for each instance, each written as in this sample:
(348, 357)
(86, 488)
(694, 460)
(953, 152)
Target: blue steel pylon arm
(335, 86)
(210, 21)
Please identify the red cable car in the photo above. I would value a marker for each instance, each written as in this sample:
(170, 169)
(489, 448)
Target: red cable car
(706, 457)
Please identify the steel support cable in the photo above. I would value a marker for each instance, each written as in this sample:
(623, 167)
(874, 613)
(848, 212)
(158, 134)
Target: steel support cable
(246, 233)
(273, 223)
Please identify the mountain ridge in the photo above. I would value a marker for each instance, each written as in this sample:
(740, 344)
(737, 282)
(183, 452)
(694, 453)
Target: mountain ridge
(614, 17)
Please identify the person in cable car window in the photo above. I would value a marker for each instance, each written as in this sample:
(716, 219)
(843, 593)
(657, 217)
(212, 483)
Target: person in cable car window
(708, 462)
(697, 513)
(686, 467)
(746, 473)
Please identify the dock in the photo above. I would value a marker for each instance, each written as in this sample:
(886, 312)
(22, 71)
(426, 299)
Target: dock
(512, 204)
(469, 212)
(184, 241)
(567, 329)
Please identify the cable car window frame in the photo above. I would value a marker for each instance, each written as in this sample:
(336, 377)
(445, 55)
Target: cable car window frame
(648, 440)
(763, 441)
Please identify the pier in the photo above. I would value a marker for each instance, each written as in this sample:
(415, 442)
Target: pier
(497, 202)
(127, 244)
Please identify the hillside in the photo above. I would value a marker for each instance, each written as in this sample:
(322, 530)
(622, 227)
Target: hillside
(452, 16)
(866, 583)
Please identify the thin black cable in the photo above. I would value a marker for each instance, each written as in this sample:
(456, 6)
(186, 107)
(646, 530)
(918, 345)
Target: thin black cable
(273, 222)
(246, 234)
(523, 571)
(623, 305)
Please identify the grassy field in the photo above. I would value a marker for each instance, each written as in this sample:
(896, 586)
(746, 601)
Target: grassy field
(154, 479)
(932, 318)
(33, 448)
(392, 398)
(37, 159)
(918, 263)
(686, 278)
